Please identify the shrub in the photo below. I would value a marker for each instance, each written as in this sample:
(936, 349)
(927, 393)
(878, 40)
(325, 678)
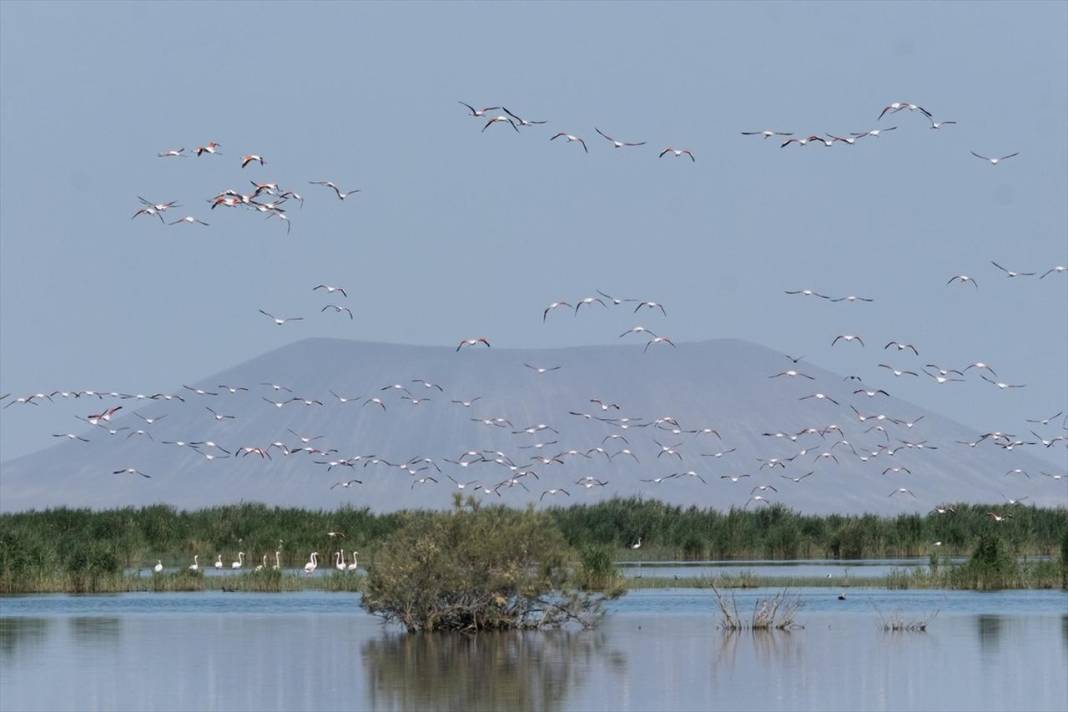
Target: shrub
(991, 566)
(475, 569)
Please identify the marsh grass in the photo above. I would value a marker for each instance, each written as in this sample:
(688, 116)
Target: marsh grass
(775, 613)
(896, 622)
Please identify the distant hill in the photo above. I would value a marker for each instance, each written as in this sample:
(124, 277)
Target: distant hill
(721, 384)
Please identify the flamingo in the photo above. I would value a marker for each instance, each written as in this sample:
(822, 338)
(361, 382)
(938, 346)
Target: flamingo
(352, 566)
(571, 139)
(240, 561)
(676, 152)
(339, 558)
(218, 561)
(195, 566)
(261, 567)
(158, 568)
(277, 561)
(313, 563)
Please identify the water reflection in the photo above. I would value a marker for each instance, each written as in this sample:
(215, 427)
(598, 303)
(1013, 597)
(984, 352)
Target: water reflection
(16, 633)
(989, 628)
(493, 671)
(95, 630)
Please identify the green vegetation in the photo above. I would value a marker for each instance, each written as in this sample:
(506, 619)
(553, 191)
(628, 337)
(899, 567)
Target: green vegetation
(82, 550)
(475, 569)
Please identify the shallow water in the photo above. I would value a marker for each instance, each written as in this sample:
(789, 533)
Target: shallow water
(657, 649)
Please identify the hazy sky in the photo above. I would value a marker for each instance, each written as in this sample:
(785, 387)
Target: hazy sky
(460, 233)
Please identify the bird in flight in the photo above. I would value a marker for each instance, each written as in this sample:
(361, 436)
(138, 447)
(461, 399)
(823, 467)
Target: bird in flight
(571, 139)
(618, 144)
(474, 342)
(522, 121)
(188, 220)
(541, 369)
(131, 471)
(172, 153)
(897, 106)
(995, 161)
(330, 289)
(1060, 269)
(676, 152)
(1010, 273)
(333, 186)
(847, 337)
(501, 119)
(767, 133)
(280, 321)
(963, 279)
(252, 158)
(479, 113)
(337, 309)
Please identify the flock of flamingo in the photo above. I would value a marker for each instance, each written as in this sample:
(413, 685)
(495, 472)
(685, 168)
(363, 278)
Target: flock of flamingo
(537, 444)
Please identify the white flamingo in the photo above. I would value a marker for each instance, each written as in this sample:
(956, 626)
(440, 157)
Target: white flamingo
(218, 561)
(277, 562)
(195, 566)
(240, 561)
(339, 560)
(158, 568)
(313, 563)
(352, 566)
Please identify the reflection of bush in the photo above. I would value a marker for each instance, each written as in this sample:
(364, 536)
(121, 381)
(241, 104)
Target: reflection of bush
(477, 569)
(494, 671)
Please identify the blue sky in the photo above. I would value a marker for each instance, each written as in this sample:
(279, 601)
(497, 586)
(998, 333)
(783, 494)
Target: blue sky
(460, 233)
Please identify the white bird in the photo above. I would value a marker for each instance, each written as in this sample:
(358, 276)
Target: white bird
(479, 113)
(252, 158)
(962, 278)
(554, 305)
(676, 152)
(501, 119)
(767, 133)
(637, 545)
(541, 369)
(571, 139)
(330, 289)
(263, 565)
(172, 153)
(617, 144)
(218, 561)
(330, 184)
(848, 337)
(354, 565)
(158, 568)
(902, 490)
(554, 491)
(195, 566)
(240, 561)
(1060, 269)
(522, 122)
(313, 563)
(279, 321)
(277, 561)
(659, 340)
(189, 220)
(131, 471)
(995, 161)
(1002, 385)
(874, 132)
(339, 560)
(940, 124)
(337, 310)
(1010, 273)
(474, 342)
(897, 106)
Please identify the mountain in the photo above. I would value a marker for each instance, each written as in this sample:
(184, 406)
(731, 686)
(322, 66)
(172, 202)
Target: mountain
(719, 384)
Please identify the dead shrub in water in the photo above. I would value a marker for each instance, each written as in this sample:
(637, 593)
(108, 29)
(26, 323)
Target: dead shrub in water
(775, 613)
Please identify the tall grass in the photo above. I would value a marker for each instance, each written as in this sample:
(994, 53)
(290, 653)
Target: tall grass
(86, 550)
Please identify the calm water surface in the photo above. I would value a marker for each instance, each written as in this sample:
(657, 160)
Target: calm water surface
(657, 649)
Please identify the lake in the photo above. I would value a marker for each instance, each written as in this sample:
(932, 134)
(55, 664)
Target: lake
(657, 649)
